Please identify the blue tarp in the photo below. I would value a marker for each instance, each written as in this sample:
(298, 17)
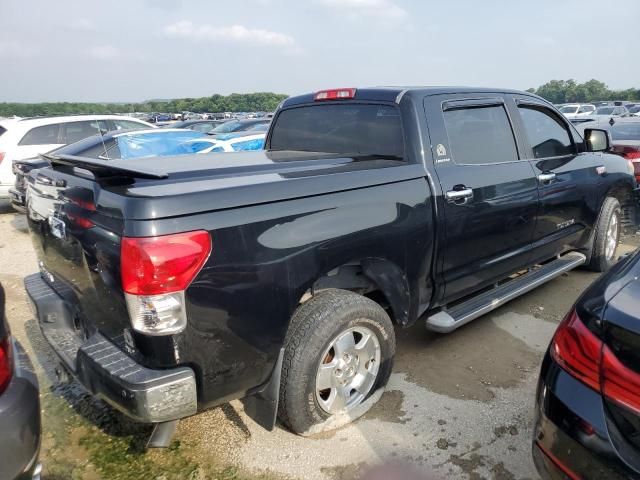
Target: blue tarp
(160, 143)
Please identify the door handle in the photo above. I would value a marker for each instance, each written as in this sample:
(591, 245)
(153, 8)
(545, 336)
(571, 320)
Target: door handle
(455, 195)
(546, 177)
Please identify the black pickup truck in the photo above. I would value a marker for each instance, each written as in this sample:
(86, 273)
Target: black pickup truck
(171, 285)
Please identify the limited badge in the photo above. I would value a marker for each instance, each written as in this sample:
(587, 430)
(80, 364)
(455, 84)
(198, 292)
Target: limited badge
(441, 151)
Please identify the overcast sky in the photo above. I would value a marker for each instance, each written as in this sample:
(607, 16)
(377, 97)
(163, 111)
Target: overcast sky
(133, 50)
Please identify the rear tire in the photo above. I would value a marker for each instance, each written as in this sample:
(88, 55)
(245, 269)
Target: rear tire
(606, 236)
(338, 354)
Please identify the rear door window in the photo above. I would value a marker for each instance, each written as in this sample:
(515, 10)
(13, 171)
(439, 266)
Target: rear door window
(547, 134)
(75, 131)
(350, 128)
(44, 135)
(480, 135)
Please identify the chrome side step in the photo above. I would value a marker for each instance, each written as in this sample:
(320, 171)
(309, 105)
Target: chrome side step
(448, 320)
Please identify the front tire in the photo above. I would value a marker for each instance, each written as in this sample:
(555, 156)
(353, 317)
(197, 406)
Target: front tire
(338, 354)
(607, 236)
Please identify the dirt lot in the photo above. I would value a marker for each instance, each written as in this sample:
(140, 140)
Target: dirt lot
(457, 406)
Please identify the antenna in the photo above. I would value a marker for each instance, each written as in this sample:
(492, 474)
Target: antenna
(106, 154)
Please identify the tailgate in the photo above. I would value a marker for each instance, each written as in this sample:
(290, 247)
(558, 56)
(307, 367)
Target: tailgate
(78, 249)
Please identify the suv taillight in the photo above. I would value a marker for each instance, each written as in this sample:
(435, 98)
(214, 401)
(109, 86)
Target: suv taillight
(6, 363)
(155, 273)
(583, 355)
(577, 350)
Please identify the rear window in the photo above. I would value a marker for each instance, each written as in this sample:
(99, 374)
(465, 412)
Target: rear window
(2, 130)
(346, 129)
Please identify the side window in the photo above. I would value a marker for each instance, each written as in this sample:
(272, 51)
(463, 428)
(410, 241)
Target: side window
(75, 131)
(45, 135)
(480, 135)
(547, 134)
(128, 125)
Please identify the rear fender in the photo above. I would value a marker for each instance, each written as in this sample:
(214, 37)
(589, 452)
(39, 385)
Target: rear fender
(393, 283)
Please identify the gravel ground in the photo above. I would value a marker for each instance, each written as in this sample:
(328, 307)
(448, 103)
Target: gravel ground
(457, 405)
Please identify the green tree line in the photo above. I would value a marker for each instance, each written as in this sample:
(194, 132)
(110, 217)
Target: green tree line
(556, 91)
(570, 91)
(236, 102)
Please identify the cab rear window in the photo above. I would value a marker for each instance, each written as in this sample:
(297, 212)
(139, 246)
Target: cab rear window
(350, 128)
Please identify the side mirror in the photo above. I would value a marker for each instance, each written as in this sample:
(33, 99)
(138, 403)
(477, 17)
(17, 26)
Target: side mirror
(596, 140)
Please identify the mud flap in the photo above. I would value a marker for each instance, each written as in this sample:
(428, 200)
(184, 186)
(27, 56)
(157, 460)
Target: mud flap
(262, 406)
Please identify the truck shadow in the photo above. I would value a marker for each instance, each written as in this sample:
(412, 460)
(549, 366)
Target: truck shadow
(96, 412)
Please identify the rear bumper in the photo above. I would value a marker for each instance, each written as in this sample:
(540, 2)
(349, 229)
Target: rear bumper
(17, 200)
(144, 394)
(20, 420)
(571, 434)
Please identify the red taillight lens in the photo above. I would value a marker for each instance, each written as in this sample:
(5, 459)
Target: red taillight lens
(6, 364)
(163, 264)
(629, 152)
(577, 350)
(620, 384)
(1, 156)
(335, 94)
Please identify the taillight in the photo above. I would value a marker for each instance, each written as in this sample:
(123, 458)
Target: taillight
(629, 152)
(335, 94)
(583, 355)
(577, 350)
(155, 273)
(6, 364)
(620, 384)
(1, 156)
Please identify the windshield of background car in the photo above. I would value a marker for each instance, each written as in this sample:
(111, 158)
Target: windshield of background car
(258, 127)
(568, 109)
(625, 131)
(227, 127)
(349, 128)
(604, 111)
(160, 143)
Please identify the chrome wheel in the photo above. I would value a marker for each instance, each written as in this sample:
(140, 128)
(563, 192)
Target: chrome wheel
(348, 370)
(611, 241)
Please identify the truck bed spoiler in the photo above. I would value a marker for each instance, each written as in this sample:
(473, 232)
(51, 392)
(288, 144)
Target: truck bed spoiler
(104, 168)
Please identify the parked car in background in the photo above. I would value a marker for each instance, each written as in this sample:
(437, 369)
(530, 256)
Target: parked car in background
(230, 142)
(588, 397)
(159, 117)
(625, 137)
(198, 125)
(19, 408)
(577, 110)
(275, 276)
(234, 126)
(28, 137)
(117, 144)
(610, 111)
(635, 110)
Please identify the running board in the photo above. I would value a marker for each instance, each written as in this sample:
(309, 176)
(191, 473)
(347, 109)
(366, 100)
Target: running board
(448, 320)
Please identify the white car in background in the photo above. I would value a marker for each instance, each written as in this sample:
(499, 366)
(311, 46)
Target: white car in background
(577, 110)
(29, 137)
